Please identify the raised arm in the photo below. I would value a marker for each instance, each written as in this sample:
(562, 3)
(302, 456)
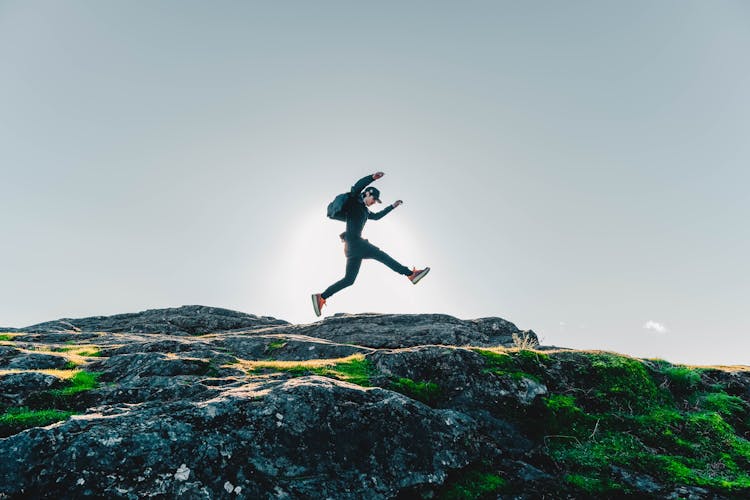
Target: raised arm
(365, 181)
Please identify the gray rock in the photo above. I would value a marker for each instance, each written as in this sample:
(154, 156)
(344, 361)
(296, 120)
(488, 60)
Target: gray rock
(16, 383)
(310, 437)
(36, 361)
(464, 388)
(16, 387)
(408, 330)
(641, 482)
(287, 347)
(185, 320)
(126, 367)
(689, 493)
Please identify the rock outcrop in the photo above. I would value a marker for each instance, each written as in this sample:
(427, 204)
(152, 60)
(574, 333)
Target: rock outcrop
(186, 320)
(200, 402)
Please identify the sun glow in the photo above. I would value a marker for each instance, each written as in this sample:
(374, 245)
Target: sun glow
(312, 258)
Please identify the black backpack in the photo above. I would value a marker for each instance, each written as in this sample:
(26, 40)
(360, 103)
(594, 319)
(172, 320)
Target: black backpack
(337, 209)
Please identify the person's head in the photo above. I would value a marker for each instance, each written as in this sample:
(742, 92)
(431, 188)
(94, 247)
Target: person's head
(371, 195)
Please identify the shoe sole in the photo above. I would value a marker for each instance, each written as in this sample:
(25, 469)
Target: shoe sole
(316, 308)
(420, 276)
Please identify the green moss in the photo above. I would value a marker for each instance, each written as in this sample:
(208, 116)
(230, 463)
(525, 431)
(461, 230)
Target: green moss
(473, 485)
(709, 429)
(591, 456)
(535, 357)
(694, 448)
(565, 417)
(356, 371)
(683, 380)
(494, 360)
(661, 428)
(424, 391)
(592, 485)
(676, 469)
(609, 410)
(15, 420)
(6, 337)
(621, 383)
(80, 382)
(276, 344)
(512, 365)
(723, 404)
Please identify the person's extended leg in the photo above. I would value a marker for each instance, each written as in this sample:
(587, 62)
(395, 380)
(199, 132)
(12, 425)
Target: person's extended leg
(414, 275)
(352, 269)
(379, 255)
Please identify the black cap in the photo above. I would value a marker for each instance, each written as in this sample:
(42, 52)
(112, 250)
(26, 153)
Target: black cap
(375, 193)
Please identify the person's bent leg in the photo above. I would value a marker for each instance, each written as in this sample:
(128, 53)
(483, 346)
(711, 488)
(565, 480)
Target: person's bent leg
(352, 269)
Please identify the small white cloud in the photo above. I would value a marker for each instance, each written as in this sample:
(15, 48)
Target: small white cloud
(655, 326)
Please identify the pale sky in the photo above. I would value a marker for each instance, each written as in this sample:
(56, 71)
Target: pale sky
(578, 168)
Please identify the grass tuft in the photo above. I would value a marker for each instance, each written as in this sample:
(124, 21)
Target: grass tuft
(88, 350)
(80, 382)
(15, 420)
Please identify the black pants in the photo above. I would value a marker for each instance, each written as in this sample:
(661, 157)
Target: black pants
(355, 252)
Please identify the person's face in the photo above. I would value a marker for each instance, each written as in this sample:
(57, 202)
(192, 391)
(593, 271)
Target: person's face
(369, 199)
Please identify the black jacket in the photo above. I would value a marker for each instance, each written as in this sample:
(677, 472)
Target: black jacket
(357, 212)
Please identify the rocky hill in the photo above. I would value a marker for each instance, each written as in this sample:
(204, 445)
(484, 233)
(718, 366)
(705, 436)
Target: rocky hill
(201, 402)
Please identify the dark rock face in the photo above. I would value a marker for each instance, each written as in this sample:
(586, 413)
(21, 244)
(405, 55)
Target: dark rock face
(16, 387)
(305, 438)
(200, 402)
(185, 320)
(407, 330)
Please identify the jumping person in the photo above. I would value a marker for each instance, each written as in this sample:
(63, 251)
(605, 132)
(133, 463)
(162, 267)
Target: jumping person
(357, 248)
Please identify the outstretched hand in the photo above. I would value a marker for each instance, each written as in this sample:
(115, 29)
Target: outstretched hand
(397, 203)
(377, 175)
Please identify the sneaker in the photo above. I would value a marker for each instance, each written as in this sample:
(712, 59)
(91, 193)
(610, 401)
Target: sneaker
(417, 275)
(318, 303)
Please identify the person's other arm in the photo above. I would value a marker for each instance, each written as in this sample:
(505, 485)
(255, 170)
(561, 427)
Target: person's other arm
(384, 212)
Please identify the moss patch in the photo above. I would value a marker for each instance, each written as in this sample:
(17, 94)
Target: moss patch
(592, 486)
(15, 420)
(354, 369)
(495, 360)
(515, 364)
(617, 415)
(80, 382)
(275, 345)
(426, 392)
(682, 380)
(565, 417)
(619, 383)
(473, 485)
